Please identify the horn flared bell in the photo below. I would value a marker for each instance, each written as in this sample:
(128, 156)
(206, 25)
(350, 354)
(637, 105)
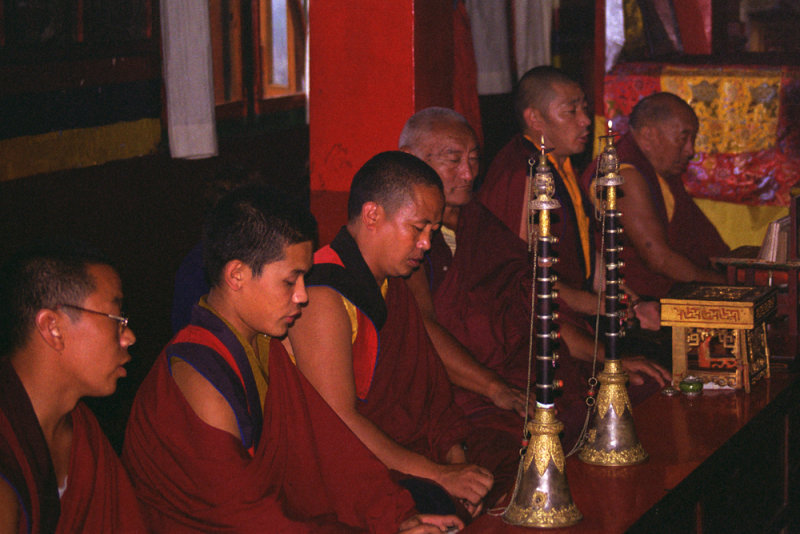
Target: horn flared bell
(612, 440)
(541, 495)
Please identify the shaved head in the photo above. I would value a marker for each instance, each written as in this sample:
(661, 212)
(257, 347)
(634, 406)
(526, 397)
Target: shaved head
(536, 89)
(665, 128)
(658, 108)
(443, 139)
(388, 179)
(424, 122)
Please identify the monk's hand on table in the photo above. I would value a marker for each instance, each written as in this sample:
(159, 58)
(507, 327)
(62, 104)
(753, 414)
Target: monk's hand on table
(508, 397)
(638, 367)
(649, 314)
(428, 523)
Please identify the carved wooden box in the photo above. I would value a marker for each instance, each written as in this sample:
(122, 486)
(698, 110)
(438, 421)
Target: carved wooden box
(719, 332)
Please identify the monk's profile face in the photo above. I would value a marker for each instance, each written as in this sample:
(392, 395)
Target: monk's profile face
(405, 233)
(565, 121)
(671, 143)
(270, 302)
(95, 345)
(452, 150)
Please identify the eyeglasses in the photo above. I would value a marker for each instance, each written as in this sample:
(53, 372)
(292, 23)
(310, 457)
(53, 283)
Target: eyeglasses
(121, 319)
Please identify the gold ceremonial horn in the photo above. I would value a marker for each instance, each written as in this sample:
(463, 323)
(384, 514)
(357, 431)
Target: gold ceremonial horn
(612, 440)
(541, 495)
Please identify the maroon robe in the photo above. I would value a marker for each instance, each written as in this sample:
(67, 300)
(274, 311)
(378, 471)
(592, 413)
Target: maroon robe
(308, 472)
(502, 193)
(482, 295)
(409, 395)
(99, 496)
(689, 233)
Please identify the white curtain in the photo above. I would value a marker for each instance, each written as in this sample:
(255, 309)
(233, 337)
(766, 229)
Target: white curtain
(189, 78)
(615, 32)
(490, 38)
(532, 27)
(533, 22)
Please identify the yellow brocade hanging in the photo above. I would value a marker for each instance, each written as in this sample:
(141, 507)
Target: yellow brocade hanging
(737, 108)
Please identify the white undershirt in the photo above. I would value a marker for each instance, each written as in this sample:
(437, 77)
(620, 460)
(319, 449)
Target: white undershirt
(449, 238)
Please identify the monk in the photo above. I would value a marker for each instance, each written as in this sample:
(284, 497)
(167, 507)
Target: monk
(64, 337)
(362, 342)
(443, 139)
(668, 238)
(475, 285)
(225, 433)
(551, 106)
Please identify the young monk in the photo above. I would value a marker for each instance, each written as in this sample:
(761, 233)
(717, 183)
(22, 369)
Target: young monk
(63, 338)
(225, 433)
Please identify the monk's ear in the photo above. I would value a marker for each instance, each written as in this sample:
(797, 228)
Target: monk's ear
(647, 137)
(534, 121)
(49, 327)
(371, 214)
(234, 274)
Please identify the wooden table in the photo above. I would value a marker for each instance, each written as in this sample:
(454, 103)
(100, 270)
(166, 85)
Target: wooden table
(724, 461)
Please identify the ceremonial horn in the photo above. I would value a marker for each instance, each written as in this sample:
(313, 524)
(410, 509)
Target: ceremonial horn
(541, 495)
(611, 439)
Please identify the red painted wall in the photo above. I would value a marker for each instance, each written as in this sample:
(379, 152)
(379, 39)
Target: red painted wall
(373, 63)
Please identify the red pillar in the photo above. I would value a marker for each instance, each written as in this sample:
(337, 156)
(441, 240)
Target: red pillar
(372, 64)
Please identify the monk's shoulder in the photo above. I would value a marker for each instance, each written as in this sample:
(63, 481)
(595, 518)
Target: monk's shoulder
(206, 401)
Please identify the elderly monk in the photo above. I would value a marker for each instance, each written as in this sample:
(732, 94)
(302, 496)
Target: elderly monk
(552, 106)
(443, 139)
(668, 238)
(64, 338)
(225, 433)
(363, 344)
(474, 290)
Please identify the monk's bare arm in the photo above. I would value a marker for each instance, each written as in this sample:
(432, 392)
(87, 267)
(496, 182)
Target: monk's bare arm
(646, 234)
(205, 400)
(581, 347)
(580, 343)
(462, 367)
(321, 342)
(587, 303)
(580, 301)
(9, 508)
